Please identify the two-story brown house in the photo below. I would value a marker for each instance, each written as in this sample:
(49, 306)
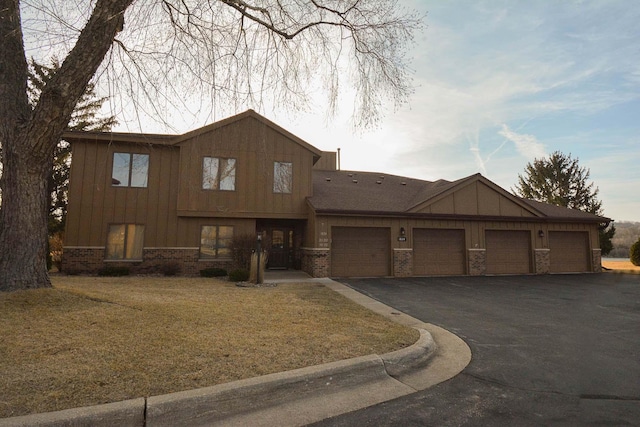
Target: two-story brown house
(144, 200)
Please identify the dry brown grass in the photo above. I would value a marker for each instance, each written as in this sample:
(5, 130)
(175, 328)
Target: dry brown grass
(95, 340)
(620, 265)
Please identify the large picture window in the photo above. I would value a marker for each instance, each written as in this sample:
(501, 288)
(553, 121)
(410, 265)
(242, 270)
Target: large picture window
(215, 241)
(219, 174)
(130, 170)
(125, 241)
(282, 177)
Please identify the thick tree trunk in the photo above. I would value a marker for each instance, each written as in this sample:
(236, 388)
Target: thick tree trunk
(29, 135)
(23, 224)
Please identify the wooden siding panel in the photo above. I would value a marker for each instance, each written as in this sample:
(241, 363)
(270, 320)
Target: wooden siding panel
(443, 206)
(72, 229)
(466, 201)
(255, 147)
(509, 208)
(488, 201)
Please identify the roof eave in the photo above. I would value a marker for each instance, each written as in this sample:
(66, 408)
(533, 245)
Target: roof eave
(421, 215)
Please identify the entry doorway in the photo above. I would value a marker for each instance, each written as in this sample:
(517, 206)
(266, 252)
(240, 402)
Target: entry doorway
(280, 248)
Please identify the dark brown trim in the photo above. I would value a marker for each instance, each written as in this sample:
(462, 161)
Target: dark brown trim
(419, 215)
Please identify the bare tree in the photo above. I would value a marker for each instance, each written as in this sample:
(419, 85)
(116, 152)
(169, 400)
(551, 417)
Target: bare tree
(152, 52)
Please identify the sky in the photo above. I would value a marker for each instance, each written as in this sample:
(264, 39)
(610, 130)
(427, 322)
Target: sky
(500, 83)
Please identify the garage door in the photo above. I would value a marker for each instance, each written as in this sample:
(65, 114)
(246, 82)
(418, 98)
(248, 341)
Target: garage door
(508, 252)
(360, 251)
(438, 252)
(569, 251)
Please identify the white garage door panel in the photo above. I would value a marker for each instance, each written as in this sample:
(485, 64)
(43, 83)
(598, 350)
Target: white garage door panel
(438, 252)
(508, 252)
(360, 251)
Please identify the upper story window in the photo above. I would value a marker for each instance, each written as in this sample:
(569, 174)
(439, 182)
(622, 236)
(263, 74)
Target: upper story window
(125, 241)
(282, 177)
(218, 174)
(130, 170)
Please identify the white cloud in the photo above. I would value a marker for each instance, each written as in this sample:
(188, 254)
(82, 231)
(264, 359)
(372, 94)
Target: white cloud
(527, 145)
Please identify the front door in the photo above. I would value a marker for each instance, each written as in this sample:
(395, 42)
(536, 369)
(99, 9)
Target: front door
(280, 250)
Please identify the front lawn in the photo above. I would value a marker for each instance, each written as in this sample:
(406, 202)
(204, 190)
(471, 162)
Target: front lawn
(93, 340)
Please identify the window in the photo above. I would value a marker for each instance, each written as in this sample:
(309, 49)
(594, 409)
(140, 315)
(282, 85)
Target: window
(125, 241)
(130, 170)
(215, 241)
(218, 174)
(282, 177)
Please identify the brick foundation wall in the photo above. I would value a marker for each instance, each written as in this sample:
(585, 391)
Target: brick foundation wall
(402, 262)
(596, 260)
(84, 260)
(543, 261)
(316, 262)
(477, 262)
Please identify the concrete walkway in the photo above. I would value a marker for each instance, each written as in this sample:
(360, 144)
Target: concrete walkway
(292, 398)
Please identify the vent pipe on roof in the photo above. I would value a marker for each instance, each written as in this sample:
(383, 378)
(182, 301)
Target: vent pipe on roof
(338, 158)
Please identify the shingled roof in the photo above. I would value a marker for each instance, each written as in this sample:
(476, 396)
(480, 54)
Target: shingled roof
(371, 193)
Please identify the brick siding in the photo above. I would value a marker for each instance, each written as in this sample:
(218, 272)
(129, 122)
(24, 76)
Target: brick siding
(316, 262)
(82, 260)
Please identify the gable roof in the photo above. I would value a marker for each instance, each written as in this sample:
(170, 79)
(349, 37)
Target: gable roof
(243, 116)
(371, 193)
(160, 139)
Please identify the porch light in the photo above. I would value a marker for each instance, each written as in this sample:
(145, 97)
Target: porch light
(402, 231)
(541, 233)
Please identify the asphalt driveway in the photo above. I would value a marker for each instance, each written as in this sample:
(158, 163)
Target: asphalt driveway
(546, 350)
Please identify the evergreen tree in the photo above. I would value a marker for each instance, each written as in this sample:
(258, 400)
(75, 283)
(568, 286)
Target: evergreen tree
(560, 180)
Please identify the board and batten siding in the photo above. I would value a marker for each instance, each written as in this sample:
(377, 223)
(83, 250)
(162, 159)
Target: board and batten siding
(94, 202)
(256, 147)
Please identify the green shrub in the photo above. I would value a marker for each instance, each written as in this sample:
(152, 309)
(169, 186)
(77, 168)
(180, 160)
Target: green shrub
(113, 271)
(213, 272)
(239, 275)
(171, 268)
(634, 253)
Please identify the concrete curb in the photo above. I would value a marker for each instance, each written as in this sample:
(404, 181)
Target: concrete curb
(128, 413)
(290, 398)
(263, 400)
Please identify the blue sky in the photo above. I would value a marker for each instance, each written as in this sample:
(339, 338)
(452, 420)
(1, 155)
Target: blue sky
(497, 84)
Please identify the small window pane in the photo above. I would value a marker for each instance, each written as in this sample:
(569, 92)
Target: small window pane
(135, 241)
(225, 236)
(125, 241)
(139, 170)
(215, 241)
(208, 241)
(277, 239)
(282, 177)
(228, 174)
(115, 242)
(120, 175)
(210, 173)
(130, 170)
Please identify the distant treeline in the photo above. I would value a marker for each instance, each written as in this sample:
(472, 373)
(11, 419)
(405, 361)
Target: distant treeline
(627, 233)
